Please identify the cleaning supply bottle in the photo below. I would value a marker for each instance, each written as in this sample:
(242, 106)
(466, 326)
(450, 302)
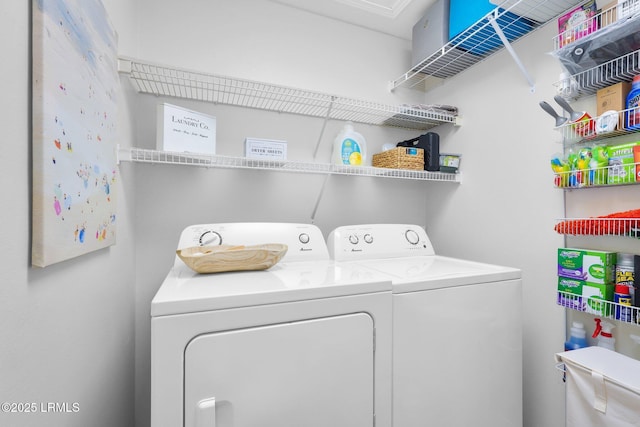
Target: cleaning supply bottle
(625, 273)
(622, 298)
(349, 148)
(604, 335)
(632, 119)
(577, 338)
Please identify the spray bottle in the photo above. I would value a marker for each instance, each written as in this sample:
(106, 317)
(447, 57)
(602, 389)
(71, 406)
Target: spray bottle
(577, 338)
(603, 329)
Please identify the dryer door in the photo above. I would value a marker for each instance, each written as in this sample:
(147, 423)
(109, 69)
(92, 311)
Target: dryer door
(313, 373)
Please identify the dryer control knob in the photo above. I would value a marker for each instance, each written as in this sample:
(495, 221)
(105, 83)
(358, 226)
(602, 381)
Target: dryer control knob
(353, 239)
(368, 238)
(304, 238)
(412, 237)
(210, 238)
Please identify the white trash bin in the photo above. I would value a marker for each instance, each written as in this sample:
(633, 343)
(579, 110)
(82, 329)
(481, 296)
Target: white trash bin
(603, 388)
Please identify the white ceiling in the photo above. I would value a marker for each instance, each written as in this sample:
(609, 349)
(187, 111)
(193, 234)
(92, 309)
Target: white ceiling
(395, 17)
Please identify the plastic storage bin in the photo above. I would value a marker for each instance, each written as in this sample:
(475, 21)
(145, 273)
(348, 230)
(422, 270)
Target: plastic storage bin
(463, 14)
(603, 388)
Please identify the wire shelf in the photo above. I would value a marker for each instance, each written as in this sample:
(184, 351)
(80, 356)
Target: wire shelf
(596, 23)
(228, 162)
(609, 41)
(588, 82)
(168, 81)
(597, 226)
(514, 17)
(591, 129)
(604, 309)
(605, 176)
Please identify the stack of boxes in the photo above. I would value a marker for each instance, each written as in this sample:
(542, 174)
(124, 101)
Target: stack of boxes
(586, 278)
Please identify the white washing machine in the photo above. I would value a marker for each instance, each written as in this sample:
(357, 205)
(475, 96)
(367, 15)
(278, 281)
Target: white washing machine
(304, 343)
(457, 328)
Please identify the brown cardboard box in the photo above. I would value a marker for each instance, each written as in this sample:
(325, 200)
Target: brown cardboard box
(613, 97)
(608, 14)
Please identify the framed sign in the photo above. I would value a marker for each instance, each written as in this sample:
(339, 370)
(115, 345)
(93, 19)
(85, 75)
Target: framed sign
(185, 131)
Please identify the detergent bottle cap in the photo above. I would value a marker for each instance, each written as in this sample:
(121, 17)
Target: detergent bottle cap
(622, 289)
(577, 330)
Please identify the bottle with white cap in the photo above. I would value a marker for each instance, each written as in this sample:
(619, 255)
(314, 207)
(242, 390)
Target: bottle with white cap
(577, 337)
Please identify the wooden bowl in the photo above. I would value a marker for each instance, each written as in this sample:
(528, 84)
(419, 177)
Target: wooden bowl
(217, 259)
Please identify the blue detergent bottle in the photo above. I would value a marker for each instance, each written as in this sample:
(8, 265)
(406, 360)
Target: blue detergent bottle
(577, 337)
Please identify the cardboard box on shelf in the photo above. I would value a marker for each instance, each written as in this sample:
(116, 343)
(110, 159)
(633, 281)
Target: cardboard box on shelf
(577, 23)
(622, 167)
(594, 267)
(609, 14)
(613, 97)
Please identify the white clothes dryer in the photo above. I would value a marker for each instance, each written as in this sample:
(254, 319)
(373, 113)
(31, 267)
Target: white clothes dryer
(304, 343)
(457, 328)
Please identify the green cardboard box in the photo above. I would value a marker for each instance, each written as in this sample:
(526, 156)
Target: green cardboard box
(595, 267)
(622, 168)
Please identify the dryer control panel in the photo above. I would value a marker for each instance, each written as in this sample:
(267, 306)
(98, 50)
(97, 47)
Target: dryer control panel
(305, 241)
(375, 241)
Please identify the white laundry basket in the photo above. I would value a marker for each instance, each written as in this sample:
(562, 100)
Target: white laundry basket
(603, 388)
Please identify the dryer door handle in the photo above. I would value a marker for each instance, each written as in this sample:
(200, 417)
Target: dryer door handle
(206, 413)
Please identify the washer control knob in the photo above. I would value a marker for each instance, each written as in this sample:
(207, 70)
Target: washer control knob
(353, 239)
(210, 238)
(412, 237)
(368, 238)
(304, 238)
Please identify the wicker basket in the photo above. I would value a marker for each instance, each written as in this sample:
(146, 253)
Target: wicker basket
(400, 158)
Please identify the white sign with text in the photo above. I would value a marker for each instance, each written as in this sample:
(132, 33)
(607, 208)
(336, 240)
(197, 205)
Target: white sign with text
(187, 131)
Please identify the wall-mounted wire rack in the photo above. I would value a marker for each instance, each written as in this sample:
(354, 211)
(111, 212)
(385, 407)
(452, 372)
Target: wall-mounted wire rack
(141, 155)
(174, 82)
(612, 68)
(605, 176)
(509, 21)
(598, 226)
(601, 308)
(591, 130)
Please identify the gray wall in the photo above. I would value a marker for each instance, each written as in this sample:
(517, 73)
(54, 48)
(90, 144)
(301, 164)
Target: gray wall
(79, 331)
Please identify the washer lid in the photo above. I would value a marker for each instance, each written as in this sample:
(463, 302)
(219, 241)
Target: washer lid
(184, 291)
(412, 274)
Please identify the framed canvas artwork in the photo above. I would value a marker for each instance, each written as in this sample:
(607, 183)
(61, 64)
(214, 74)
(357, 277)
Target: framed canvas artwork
(75, 84)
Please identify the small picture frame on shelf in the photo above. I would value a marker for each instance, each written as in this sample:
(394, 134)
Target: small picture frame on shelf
(185, 131)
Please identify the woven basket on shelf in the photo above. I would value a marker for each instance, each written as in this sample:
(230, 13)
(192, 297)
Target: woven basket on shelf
(400, 158)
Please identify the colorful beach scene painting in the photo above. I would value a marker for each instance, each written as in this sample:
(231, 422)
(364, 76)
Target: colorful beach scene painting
(75, 85)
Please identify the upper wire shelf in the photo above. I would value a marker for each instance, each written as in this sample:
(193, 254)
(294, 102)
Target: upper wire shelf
(229, 162)
(515, 18)
(600, 51)
(173, 82)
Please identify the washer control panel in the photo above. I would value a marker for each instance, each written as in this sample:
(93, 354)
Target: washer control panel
(305, 242)
(373, 241)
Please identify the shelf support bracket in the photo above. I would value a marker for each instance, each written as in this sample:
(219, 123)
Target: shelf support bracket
(319, 198)
(514, 55)
(324, 125)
